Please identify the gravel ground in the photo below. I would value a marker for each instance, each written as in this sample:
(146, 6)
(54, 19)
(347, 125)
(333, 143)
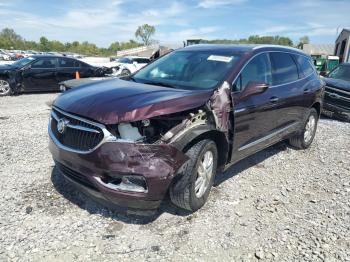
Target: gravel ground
(280, 204)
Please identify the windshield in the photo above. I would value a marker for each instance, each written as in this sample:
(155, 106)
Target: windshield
(124, 60)
(189, 69)
(24, 61)
(341, 72)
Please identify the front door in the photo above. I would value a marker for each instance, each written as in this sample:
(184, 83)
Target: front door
(254, 117)
(41, 75)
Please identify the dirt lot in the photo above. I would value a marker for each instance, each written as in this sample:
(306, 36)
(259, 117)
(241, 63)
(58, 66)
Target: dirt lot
(280, 204)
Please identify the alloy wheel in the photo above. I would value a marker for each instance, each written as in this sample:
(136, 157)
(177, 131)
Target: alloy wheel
(204, 174)
(4, 87)
(309, 128)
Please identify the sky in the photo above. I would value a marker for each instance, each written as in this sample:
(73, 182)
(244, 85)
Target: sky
(105, 21)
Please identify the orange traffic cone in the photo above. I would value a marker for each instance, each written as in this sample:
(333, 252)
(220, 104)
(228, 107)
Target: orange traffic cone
(77, 75)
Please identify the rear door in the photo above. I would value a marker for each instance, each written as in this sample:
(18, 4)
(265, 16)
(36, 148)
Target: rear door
(41, 75)
(288, 90)
(309, 83)
(86, 70)
(67, 68)
(254, 117)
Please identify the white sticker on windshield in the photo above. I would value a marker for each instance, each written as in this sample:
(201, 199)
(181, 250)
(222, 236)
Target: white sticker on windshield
(220, 58)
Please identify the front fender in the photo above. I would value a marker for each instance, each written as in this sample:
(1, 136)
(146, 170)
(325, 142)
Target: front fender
(11, 78)
(194, 135)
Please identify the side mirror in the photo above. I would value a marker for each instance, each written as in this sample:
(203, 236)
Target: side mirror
(323, 73)
(253, 88)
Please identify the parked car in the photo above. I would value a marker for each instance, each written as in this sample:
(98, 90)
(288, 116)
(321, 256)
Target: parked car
(42, 73)
(179, 121)
(4, 55)
(337, 95)
(130, 64)
(12, 54)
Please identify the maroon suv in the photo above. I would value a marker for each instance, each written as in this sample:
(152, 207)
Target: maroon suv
(178, 122)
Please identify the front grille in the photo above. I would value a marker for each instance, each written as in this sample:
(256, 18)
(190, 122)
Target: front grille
(75, 176)
(78, 134)
(337, 97)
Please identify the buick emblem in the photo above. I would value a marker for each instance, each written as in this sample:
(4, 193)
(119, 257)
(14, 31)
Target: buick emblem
(62, 125)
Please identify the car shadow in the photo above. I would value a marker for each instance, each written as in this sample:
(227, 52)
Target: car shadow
(335, 117)
(250, 161)
(69, 192)
(77, 198)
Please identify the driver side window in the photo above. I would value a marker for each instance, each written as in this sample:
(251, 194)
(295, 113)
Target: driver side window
(258, 70)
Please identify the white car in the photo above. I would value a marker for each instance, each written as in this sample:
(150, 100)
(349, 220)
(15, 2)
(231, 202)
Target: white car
(4, 55)
(129, 64)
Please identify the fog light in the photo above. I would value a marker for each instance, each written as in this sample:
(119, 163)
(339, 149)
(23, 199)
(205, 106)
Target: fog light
(126, 183)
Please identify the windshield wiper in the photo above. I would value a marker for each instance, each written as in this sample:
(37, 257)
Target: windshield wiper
(160, 84)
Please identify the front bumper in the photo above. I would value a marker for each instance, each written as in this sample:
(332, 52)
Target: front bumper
(335, 108)
(158, 164)
(336, 101)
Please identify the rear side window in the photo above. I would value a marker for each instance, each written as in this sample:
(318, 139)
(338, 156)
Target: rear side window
(81, 64)
(305, 66)
(66, 62)
(257, 70)
(284, 69)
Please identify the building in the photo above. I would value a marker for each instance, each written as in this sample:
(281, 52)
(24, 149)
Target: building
(342, 46)
(318, 49)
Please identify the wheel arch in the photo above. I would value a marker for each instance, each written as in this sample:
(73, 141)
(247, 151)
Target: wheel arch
(317, 106)
(201, 133)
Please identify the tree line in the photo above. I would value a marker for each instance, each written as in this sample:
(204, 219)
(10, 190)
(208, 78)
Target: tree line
(10, 40)
(254, 39)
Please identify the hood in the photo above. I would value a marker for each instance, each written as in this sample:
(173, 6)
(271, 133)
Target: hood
(116, 100)
(338, 83)
(4, 67)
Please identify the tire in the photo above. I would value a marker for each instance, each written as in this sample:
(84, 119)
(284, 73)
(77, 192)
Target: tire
(183, 191)
(125, 72)
(5, 88)
(304, 138)
(63, 88)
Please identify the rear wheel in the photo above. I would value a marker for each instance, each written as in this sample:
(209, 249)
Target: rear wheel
(5, 88)
(304, 138)
(191, 191)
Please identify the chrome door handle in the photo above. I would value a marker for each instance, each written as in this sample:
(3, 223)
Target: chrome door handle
(274, 99)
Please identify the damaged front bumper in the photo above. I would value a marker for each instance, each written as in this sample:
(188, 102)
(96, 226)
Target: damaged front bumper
(121, 174)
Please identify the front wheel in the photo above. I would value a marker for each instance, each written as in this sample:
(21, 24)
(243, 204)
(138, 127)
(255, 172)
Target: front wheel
(192, 189)
(125, 72)
(304, 139)
(5, 88)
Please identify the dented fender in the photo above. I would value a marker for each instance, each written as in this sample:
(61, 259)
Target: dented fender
(221, 105)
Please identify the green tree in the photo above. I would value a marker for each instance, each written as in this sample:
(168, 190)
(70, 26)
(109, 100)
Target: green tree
(44, 44)
(9, 39)
(254, 39)
(144, 32)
